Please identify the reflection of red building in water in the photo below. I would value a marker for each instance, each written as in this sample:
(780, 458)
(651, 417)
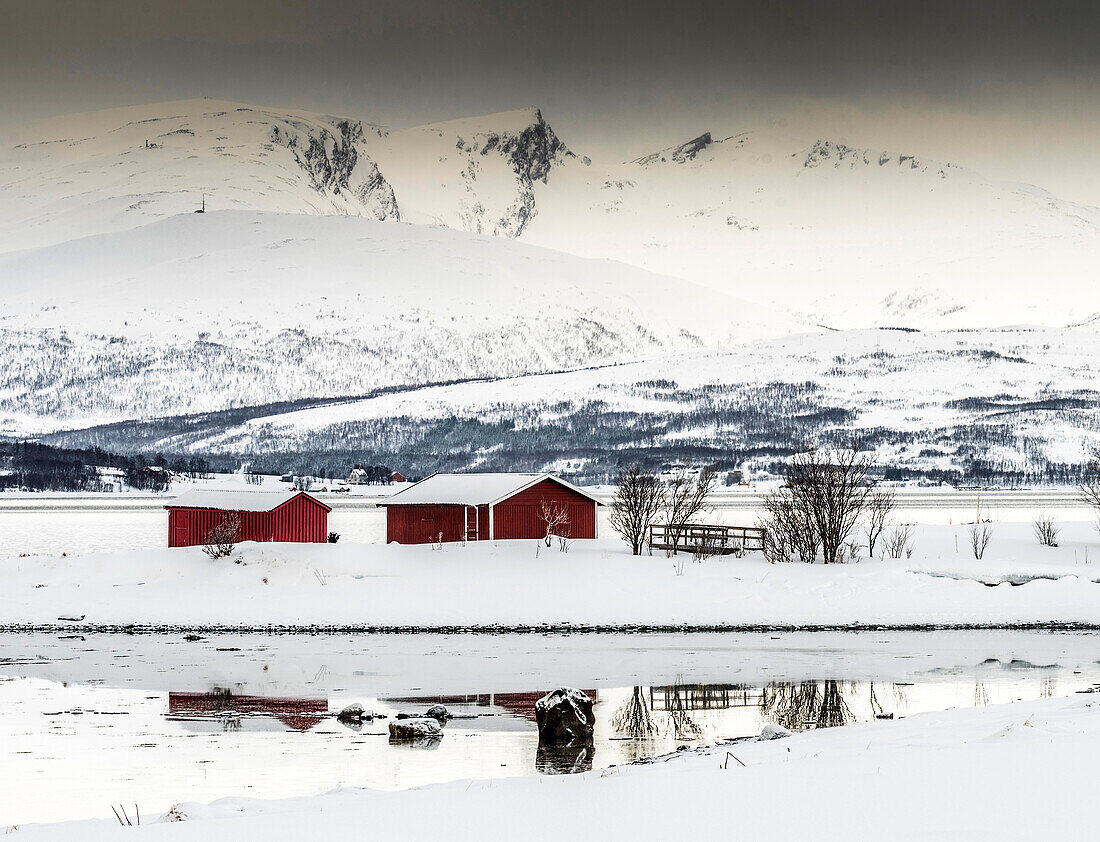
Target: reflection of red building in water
(520, 704)
(297, 714)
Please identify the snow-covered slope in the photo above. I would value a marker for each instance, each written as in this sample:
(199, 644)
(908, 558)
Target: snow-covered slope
(847, 236)
(122, 168)
(842, 233)
(202, 312)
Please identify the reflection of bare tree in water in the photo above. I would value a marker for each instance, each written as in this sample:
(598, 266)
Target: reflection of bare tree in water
(634, 718)
(1049, 688)
(898, 698)
(805, 705)
(683, 726)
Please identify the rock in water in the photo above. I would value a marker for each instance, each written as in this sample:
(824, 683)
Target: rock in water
(354, 712)
(415, 730)
(438, 713)
(771, 731)
(564, 717)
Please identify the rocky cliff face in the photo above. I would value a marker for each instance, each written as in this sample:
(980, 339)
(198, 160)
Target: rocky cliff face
(530, 150)
(333, 162)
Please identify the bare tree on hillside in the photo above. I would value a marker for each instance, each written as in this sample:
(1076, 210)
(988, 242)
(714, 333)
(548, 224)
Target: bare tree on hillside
(686, 498)
(879, 506)
(638, 500)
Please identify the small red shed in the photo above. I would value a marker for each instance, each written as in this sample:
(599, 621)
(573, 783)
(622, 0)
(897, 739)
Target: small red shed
(291, 516)
(487, 507)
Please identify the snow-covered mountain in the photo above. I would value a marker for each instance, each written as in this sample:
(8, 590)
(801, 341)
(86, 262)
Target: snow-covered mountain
(832, 231)
(957, 404)
(200, 312)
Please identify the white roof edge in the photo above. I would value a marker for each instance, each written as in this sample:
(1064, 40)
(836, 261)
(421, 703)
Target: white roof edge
(386, 501)
(531, 480)
(551, 476)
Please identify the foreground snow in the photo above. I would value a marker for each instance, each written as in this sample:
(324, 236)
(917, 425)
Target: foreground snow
(1019, 771)
(596, 583)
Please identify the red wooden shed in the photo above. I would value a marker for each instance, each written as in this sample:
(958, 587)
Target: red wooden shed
(288, 515)
(486, 507)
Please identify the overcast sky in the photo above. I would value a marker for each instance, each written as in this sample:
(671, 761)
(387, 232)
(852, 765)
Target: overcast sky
(1011, 88)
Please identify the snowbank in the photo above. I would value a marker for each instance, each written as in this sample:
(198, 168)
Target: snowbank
(508, 584)
(1019, 771)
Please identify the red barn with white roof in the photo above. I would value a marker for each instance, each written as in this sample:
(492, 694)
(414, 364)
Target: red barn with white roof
(486, 507)
(291, 516)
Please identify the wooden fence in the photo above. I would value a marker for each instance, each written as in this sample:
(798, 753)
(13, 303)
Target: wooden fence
(705, 538)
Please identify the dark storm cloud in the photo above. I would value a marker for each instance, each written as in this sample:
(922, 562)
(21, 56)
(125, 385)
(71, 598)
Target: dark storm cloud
(631, 76)
(424, 51)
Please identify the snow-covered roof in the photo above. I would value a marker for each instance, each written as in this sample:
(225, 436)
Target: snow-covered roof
(235, 499)
(471, 489)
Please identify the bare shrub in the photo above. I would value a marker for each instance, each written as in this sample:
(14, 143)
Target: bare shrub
(684, 499)
(556, 517)
(981, 532)
(879, 506)
(788, 530)
(221, 540)
(897, 542)
(1046, 530)
(639, 498)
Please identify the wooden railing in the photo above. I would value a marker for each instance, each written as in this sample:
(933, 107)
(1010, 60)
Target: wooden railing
(705, 538)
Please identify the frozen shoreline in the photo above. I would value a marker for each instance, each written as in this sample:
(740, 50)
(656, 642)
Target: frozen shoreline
(953, 774)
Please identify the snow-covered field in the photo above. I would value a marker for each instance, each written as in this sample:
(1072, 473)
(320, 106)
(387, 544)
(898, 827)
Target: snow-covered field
(1017, 771)
(596, 583)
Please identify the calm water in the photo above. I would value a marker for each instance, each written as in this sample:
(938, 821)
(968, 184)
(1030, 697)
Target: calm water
(156, 720)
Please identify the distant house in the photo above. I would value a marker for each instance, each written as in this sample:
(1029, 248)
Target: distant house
(358, 476)
(486, 507)
(397, 477)
(291, 516)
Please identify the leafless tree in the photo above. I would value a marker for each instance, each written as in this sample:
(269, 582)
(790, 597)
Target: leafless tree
(897, 541)
(638, 500)
(221, 540)
(879, 506)
(789, 531)
(1090, 488)
(830, 489)
(981, 532)
(685, 498)
(556, 517)
(302, 483)
(1046, 530)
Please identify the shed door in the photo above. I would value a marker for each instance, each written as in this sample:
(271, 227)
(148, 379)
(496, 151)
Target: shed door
(183, 528)
(428, 531)
(471, 523)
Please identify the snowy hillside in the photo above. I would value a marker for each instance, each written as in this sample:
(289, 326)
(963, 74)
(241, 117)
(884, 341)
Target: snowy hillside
(970, 404)
(831, 230)
(846, 236)
(201, 312)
